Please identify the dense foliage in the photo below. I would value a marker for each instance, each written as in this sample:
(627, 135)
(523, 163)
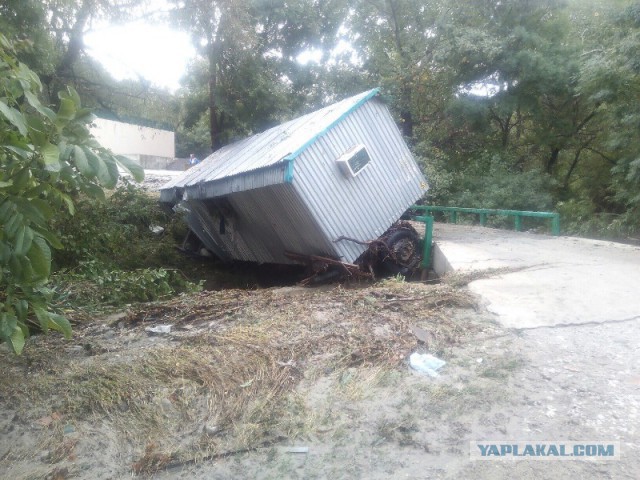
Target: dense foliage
(508, 104)
(47, 157)
(118, 251)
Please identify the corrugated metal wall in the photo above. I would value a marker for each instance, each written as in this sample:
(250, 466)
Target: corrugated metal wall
(260, 225)
(364, 206)
(264, 215)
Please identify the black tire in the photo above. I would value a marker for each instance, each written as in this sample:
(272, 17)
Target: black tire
(403, 252)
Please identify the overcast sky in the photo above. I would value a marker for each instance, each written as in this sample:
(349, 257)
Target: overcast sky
(154, 52)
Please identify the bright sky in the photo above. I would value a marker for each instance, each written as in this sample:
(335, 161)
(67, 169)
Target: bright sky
(157, 53)
(154, 52)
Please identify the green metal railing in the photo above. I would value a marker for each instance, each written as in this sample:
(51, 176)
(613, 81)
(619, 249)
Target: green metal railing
(485, 212)
(428, 240)
(428, 219)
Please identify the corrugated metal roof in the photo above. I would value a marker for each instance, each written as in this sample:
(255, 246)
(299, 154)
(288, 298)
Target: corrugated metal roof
(216, 175)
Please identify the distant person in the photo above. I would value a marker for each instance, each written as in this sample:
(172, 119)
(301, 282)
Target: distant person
(193, 160)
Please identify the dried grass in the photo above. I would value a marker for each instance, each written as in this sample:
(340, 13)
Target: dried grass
(229, 378)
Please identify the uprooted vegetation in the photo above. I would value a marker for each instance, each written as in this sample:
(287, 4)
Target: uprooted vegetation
(117, 251)
(224, 380)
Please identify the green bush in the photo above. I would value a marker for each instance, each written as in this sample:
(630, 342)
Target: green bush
(111, 255)
(47, 158)
(94, 284)
(116, 232)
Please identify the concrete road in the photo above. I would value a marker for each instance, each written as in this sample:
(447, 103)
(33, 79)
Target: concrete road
(559, 280)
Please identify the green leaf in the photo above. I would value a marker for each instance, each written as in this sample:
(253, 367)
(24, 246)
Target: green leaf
(26, 241)
(21, 152)
(85, 115)
(43, 317)
(132, 166)
(35, 103)
(5, 253)
(21, 179)
(68, 202)
(17, 340)
(73, 95)
(37, 131)
(18, 241)
(96, 163)
(94, 191)
(51, 156)
(109, 177)
(30, 75)
(60, 323)
(40, 256)
(7, 207)
(14, 117)
(66, 112)
(21, 307)
(12, 225)
(80, 159)
(11, 332)
(49, 237)
(34, 209)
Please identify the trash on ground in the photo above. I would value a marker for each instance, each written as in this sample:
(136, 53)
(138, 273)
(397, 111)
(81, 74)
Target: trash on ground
(421, 334)
(296, 450)
(159, 329)
(426, 363)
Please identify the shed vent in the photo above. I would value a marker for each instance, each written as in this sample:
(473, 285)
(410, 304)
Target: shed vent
(353, 161)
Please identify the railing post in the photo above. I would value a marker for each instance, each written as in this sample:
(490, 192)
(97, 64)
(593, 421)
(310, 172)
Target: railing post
(555, 224)
(428, 239)
(483, 219)
(453, 216)
(518, 223)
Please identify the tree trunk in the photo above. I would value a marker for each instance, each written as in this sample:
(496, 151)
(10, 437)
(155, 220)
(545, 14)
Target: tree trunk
(553, 159)
(76, 39)
(574, 164)
(407, 124)
(214, 127)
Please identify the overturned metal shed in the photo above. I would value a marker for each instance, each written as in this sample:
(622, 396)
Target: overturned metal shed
(342, 171)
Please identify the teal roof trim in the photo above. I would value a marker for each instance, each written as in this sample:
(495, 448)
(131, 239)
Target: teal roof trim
(362, 101)
(288, 172)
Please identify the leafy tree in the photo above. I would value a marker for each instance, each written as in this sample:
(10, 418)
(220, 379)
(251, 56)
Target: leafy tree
(248, 76)
(55, 29)
(47, 157)
(610, 76)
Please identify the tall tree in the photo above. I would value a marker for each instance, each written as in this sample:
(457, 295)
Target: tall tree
(249, 61)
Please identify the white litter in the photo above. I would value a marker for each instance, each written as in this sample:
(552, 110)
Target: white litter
(426, 364)
(159, 329)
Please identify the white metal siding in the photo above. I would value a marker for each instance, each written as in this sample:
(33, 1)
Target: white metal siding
(267, 216)
(261, 225)
(364, 206)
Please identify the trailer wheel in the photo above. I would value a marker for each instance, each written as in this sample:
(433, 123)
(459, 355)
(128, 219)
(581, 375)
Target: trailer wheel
(403, 252)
